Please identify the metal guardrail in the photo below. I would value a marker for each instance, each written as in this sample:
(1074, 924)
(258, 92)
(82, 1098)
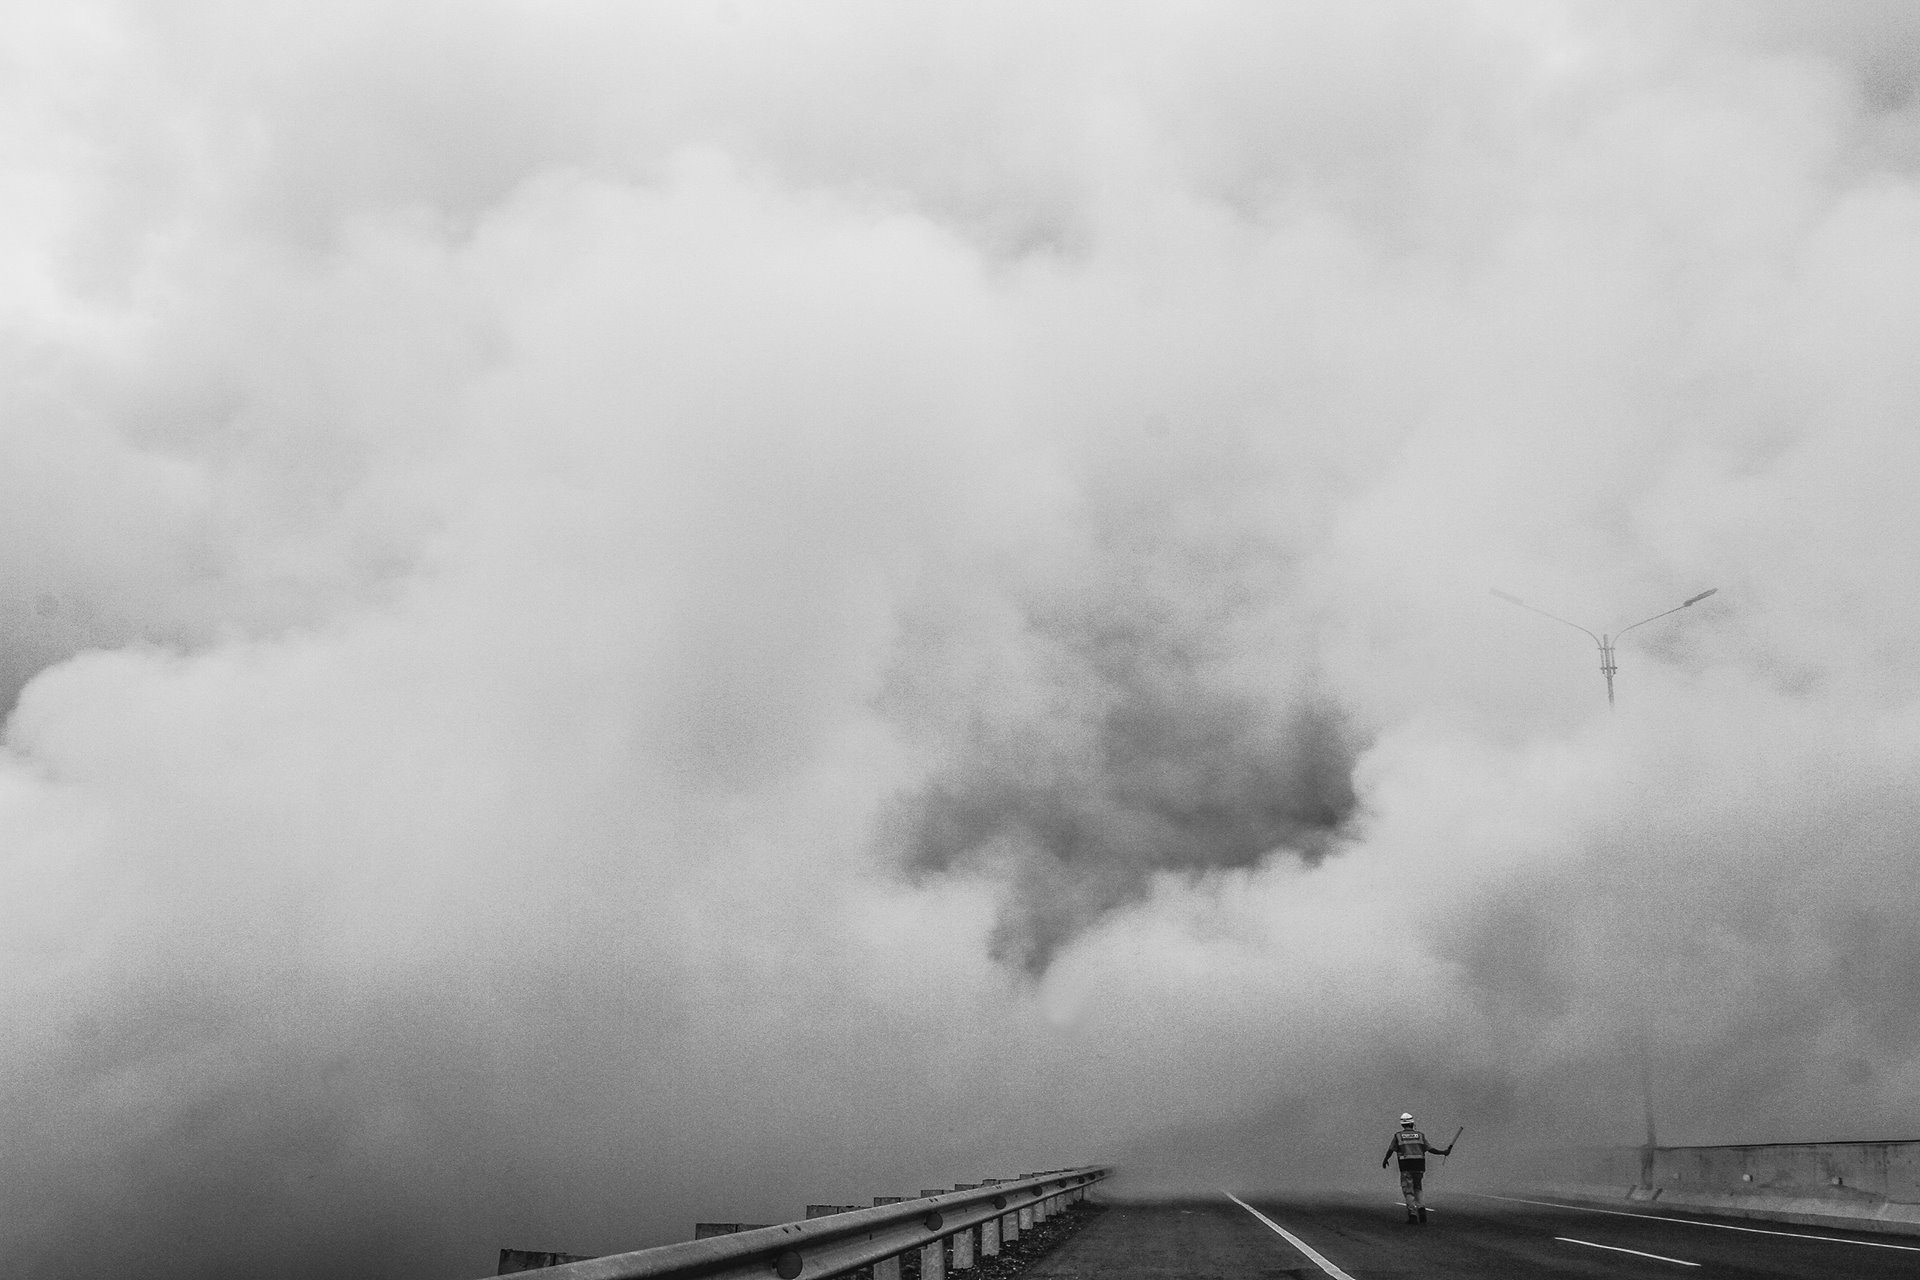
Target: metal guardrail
(831, 1246)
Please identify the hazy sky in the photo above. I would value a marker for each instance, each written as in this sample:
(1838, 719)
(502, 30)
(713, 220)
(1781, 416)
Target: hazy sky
(618, 613)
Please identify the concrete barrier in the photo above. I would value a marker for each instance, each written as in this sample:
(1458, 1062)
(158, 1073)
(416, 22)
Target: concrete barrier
(708, 1230)
(1872, 1186)
(514, 1261)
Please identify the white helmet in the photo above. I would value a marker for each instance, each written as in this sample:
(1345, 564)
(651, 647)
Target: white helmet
(1406, 1117)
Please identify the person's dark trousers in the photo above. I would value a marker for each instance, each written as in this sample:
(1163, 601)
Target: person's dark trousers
(1410, 1192)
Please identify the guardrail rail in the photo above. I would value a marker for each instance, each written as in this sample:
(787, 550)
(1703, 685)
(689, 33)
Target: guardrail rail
(835, 1245)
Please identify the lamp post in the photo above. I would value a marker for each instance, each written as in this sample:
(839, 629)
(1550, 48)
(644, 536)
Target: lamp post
(1604, 641)
(1607, 668)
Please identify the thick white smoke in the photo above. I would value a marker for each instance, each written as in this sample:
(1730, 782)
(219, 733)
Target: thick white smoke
(623, 614)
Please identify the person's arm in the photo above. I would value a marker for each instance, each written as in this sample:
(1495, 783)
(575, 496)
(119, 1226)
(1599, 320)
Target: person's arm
(1391, 1147)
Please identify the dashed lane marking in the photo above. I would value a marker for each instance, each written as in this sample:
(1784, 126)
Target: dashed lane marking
(1319, 1260)
(1696, 1222)
(1657, 1257)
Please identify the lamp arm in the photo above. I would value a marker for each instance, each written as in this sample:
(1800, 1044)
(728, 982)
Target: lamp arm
(1677, 608)
(1644, 621)
(1598, 642)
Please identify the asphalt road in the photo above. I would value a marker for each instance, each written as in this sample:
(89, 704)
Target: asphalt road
(1473, 1235)
(1368, 1238)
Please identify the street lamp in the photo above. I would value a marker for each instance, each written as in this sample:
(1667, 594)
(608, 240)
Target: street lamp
(1607, 668)
(1606, 642)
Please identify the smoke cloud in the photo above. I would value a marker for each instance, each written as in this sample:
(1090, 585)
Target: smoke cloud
(614, 615)
(1149, 746)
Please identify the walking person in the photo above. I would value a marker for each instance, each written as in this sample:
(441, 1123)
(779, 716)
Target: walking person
(1411, 1146)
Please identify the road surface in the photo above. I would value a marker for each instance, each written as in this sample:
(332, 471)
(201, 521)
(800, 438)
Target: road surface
(1368, 1238)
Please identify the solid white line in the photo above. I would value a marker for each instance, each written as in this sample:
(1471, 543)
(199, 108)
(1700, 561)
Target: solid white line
(1292, 1239)
(1657, 1257)
(1695, 1222)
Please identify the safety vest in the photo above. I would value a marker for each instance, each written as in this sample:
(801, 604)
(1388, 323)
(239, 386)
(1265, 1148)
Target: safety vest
(1411, 1144)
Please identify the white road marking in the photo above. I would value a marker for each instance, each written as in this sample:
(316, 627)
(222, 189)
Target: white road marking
(1657, 1257)
(1403, 1204)
(1695, 1222)
(1292, 1239)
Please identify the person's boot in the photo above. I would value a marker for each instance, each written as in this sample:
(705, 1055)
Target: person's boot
(1423, 1213)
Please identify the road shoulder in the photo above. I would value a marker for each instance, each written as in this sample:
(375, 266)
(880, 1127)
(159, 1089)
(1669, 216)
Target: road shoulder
(1211, 1239)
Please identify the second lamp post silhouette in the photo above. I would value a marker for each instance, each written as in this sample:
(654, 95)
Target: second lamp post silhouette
(1606, 642)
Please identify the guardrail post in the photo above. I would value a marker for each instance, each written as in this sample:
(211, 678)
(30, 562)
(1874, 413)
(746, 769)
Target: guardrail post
(889, 1269)
(933, 1257)
(990, 1229)
(965, 1243)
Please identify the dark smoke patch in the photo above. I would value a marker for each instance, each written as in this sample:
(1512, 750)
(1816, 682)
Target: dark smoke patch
(1174, 779)
(1133, 708)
